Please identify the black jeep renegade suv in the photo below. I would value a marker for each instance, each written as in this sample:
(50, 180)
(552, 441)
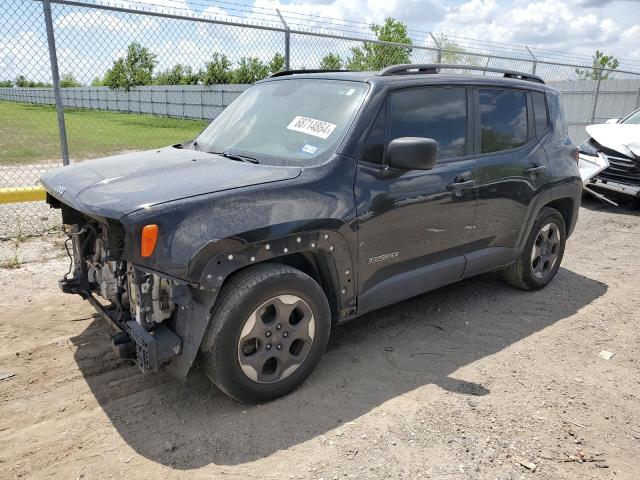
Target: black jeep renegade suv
(312, 199)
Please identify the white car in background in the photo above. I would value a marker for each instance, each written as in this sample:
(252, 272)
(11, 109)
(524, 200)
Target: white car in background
(610, 157)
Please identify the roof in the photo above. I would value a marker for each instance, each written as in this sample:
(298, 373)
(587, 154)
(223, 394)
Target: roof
(411, 78)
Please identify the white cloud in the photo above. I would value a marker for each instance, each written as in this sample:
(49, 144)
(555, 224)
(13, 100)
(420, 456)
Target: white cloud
(473, 12)
(97, 19)
(88, 39)
(558, 24)
(631, 38)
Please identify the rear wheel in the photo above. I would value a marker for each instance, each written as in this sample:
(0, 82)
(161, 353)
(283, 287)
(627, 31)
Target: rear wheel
(267, 332)
(543, 252)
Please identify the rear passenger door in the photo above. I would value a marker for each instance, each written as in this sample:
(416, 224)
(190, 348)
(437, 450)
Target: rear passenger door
(512, 171)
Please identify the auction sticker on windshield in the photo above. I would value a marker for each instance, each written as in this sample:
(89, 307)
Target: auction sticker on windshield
(311, 126)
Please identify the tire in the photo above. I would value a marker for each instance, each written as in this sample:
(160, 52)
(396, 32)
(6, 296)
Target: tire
(266, 312)
(528, 274)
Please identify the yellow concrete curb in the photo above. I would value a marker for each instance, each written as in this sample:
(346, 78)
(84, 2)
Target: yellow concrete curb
(21, 194)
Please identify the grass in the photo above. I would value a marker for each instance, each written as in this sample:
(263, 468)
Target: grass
(29, 133)
(11, 263)
(14, 261)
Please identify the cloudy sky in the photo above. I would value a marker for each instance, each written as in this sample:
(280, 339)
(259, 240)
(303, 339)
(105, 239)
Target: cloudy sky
(569, 25)
(88, 40)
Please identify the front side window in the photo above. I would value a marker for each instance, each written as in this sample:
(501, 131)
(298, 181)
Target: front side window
(286, 121)
(432, 112)
(374, 148)
(503, 119)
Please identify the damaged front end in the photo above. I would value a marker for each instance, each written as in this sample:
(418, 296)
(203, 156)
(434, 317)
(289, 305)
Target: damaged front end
(621, 173)
(610, 159)
(138, 303)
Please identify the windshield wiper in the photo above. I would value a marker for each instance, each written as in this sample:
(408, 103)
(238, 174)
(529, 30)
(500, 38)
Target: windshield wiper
(237, 157)
(195, 145)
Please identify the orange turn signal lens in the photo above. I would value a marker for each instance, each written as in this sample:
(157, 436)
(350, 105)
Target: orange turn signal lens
(148, 240)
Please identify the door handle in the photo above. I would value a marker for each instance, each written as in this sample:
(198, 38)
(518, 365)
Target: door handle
(535, 169)
(461, 185)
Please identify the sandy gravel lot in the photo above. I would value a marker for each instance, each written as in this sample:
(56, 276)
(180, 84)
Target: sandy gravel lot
(474, 381)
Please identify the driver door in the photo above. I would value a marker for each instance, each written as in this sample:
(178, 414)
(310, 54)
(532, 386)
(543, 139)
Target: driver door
(415, 225)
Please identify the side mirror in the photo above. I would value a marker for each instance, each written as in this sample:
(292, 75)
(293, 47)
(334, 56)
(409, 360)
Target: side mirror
(412, 153)
(612, 120)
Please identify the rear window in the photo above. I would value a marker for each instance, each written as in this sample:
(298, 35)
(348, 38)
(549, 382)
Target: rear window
(540, 113)
(503, 119)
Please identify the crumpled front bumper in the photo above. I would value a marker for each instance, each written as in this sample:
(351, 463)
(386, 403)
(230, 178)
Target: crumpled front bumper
(149, 349)
(616, 186)
(608, 172)
(591, 165)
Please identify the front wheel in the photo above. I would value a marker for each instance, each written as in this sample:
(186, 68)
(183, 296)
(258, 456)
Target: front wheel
(540, 260)
(267, 332)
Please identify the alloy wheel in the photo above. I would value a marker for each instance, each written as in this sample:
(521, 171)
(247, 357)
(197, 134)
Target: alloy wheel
(546, 249)
(276, 339)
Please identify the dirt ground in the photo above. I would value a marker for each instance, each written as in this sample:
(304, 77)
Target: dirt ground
(474, 381)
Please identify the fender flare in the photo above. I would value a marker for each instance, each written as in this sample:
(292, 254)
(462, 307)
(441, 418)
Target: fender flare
(240, 255)
(571, 191)
(542, 199)
(194, 309)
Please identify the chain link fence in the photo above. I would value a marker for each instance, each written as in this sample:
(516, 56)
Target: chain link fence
(175, 71)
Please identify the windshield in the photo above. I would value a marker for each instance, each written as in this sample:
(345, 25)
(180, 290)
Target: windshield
(287, 121)
(634, 118)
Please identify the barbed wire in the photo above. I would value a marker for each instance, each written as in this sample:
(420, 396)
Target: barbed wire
(307, 21)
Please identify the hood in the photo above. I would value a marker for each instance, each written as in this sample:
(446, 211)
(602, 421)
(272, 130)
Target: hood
(617, 136)
(115, 186)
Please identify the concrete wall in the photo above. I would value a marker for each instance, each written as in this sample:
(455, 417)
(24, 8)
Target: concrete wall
(182, 101)
(616, 98)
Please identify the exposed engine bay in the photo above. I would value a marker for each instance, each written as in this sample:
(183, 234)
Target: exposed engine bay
(146, 297)
(138, 303)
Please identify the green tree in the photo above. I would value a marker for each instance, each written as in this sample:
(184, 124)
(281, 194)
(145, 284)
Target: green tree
(21, 81)
(249, 70)
(331, 61)
(177, 75)
(6, 84)
(68, 80)
(135, 69)
(24, 82)
(218, 70)
(452, 52)
(116, 76)
(97, 82)
(276, 64)
(374, 56)
(600, 62)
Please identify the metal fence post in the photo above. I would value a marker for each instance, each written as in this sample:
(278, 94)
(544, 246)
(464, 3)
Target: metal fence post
(53, 57)
(437, 43)
(287, 42)
(486, 65)
(597, 94)
(535, 60)
(637, 99)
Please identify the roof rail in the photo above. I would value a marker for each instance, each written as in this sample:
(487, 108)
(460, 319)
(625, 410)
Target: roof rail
(432, 68)
(293, 72)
